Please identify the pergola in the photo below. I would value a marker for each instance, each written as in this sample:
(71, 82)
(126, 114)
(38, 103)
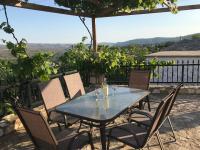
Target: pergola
(98, 12)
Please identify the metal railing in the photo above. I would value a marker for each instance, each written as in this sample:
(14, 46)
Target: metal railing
(188, 73)
(180, 72)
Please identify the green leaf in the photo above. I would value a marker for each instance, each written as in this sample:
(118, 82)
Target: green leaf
(2, 25)
(8, 29)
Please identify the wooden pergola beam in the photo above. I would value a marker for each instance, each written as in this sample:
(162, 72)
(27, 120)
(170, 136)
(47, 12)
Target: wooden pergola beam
(20, 4)
(158, 10)
(105, 13)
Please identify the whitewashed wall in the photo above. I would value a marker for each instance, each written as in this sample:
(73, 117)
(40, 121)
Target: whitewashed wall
(174, 74)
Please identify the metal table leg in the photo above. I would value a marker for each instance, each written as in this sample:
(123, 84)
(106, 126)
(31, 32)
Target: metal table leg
(103, 135)
(141, 105)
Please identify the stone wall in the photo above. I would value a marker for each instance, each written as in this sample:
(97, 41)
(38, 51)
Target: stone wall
(156, 89)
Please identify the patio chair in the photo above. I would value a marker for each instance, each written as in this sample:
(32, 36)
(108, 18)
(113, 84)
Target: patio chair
(140, 79)
(52, 96)
(43, 138)
(144, 118)
(138, 136)
(75, 89)
(74, 85)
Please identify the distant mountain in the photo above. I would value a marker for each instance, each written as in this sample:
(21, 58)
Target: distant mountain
(33, 48)
(180, 43)
(156, 40)
(107, 43)
(184, 45)
(48, 47)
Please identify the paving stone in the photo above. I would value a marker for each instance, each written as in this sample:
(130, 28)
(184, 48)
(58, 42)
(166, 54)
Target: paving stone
(197, 91)
(156, 91)
(18, 124)
(9, 129)
(10, 118)
(3, 123)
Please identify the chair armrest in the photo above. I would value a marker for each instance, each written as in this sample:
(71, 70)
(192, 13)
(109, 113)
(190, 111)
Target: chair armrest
(141, 112)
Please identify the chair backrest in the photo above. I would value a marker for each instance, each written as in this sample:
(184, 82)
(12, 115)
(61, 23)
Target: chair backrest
(52, 93)
(171, 104)
(37, 127)
(159, 117)
(139, 79)
(74, 85)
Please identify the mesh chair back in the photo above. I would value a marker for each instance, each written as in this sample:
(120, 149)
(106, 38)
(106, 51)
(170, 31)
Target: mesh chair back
(52, 93)
(176, 91)
(139, 79)
(74, 85)
(158, 117)
(38, 128)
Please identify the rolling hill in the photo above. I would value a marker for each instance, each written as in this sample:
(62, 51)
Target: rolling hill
(33, 48)
(180, 43)
(155, 40)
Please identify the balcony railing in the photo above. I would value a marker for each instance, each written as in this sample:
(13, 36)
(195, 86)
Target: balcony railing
(180, 72)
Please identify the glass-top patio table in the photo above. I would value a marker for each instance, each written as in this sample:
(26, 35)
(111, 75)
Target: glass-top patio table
(99, 109)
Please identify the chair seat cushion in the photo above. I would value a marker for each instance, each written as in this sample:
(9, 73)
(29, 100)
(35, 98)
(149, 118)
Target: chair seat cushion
(65, 142)
(125, 134)
(60, 118)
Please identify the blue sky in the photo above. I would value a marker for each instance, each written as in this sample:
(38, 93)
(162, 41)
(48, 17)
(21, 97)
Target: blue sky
(43, 27)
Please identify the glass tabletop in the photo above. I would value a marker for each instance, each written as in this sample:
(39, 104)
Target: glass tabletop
(94, 106)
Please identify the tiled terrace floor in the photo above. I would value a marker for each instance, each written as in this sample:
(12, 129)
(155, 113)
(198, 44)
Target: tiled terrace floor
(185, 117)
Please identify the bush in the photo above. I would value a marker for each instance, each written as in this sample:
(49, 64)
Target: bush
(111, 61)
(106, 60)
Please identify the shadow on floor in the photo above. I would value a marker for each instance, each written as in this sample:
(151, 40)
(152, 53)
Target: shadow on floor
(183, 121)
(16, 141)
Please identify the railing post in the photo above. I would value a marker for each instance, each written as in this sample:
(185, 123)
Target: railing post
(182, 77)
